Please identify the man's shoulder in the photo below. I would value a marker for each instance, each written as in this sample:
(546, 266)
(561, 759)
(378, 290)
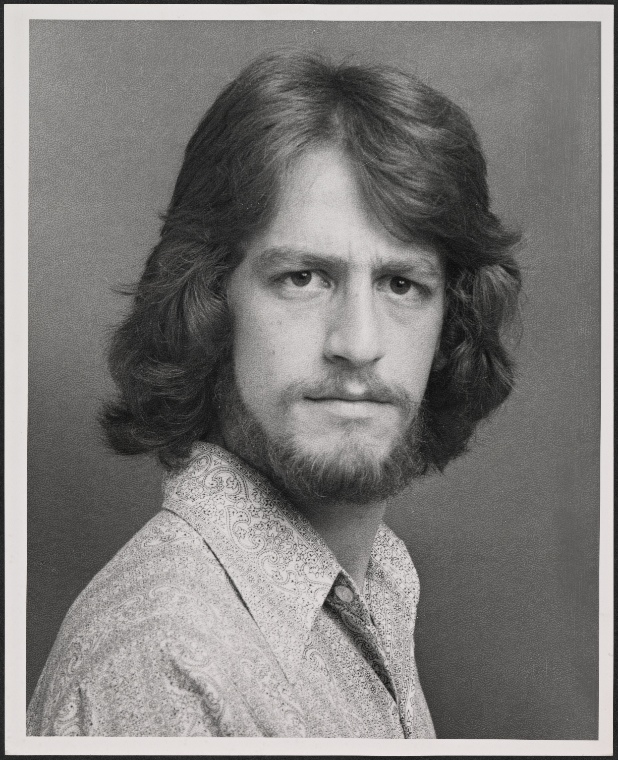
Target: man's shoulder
(162, 611)
(165, 573)
(165, 554)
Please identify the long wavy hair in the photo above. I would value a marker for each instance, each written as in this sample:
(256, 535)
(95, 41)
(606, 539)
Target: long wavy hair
(420, 168)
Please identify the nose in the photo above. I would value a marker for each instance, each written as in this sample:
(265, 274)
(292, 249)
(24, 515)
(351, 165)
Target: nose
(354, 335)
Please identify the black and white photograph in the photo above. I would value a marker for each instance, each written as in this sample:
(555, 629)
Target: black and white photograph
(308, 308)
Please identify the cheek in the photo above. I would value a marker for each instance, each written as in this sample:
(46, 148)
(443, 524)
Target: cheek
(413, 351)
(270, 350)
(253, 354)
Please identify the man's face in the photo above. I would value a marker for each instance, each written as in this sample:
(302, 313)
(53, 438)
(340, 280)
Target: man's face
(336, 324)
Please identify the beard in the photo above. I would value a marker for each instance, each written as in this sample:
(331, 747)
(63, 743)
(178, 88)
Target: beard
(354, 473)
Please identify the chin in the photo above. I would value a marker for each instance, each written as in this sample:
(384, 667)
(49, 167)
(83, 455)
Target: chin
(351, 470)
(354, 446)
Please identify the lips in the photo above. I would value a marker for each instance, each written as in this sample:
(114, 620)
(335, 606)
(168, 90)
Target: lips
(348, 397)
(346, 390)
(352, 394)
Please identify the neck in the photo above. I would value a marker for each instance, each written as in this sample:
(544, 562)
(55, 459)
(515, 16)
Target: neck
(348, 530)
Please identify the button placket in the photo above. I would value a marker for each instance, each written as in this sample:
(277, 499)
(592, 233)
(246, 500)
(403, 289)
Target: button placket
(382, 603)
(356, 616)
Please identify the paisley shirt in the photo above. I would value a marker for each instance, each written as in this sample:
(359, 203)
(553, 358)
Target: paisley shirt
(227, 615)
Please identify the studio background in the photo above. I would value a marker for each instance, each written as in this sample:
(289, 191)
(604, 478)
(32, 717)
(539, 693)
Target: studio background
(506, 541)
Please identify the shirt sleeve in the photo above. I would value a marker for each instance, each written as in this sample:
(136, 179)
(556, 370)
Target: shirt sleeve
(140, 689)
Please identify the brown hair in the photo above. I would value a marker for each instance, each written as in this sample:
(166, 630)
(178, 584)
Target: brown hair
(421, 169)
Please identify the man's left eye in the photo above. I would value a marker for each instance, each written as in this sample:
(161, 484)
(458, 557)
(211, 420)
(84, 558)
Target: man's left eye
(300, 279)
(400, 285)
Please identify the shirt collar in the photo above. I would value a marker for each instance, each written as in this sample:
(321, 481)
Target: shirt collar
(280, 566)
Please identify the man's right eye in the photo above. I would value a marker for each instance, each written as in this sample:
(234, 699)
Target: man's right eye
(301, 283)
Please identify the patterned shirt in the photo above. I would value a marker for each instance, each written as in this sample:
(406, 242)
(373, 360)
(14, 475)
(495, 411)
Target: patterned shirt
(227, 615)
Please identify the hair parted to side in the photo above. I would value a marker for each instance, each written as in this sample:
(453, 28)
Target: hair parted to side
(421, 169)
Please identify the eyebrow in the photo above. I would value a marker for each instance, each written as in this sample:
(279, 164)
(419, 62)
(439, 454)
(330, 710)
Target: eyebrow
(427, 264)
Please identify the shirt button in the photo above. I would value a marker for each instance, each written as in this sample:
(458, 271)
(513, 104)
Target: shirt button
(344, 593)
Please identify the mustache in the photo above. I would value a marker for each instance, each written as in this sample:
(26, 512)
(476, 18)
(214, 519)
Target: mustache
(365, 387)
(354, 386)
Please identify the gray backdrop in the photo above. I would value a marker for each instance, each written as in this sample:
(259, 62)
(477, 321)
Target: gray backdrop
(506, 542)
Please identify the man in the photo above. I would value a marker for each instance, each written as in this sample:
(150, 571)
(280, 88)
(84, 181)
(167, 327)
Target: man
(319, 324)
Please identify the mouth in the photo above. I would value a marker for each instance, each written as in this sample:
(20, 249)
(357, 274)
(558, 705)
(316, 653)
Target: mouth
(353, 398)
(347, 406)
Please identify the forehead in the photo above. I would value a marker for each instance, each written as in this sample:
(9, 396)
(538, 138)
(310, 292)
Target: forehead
(320, 209)
(320, 177)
